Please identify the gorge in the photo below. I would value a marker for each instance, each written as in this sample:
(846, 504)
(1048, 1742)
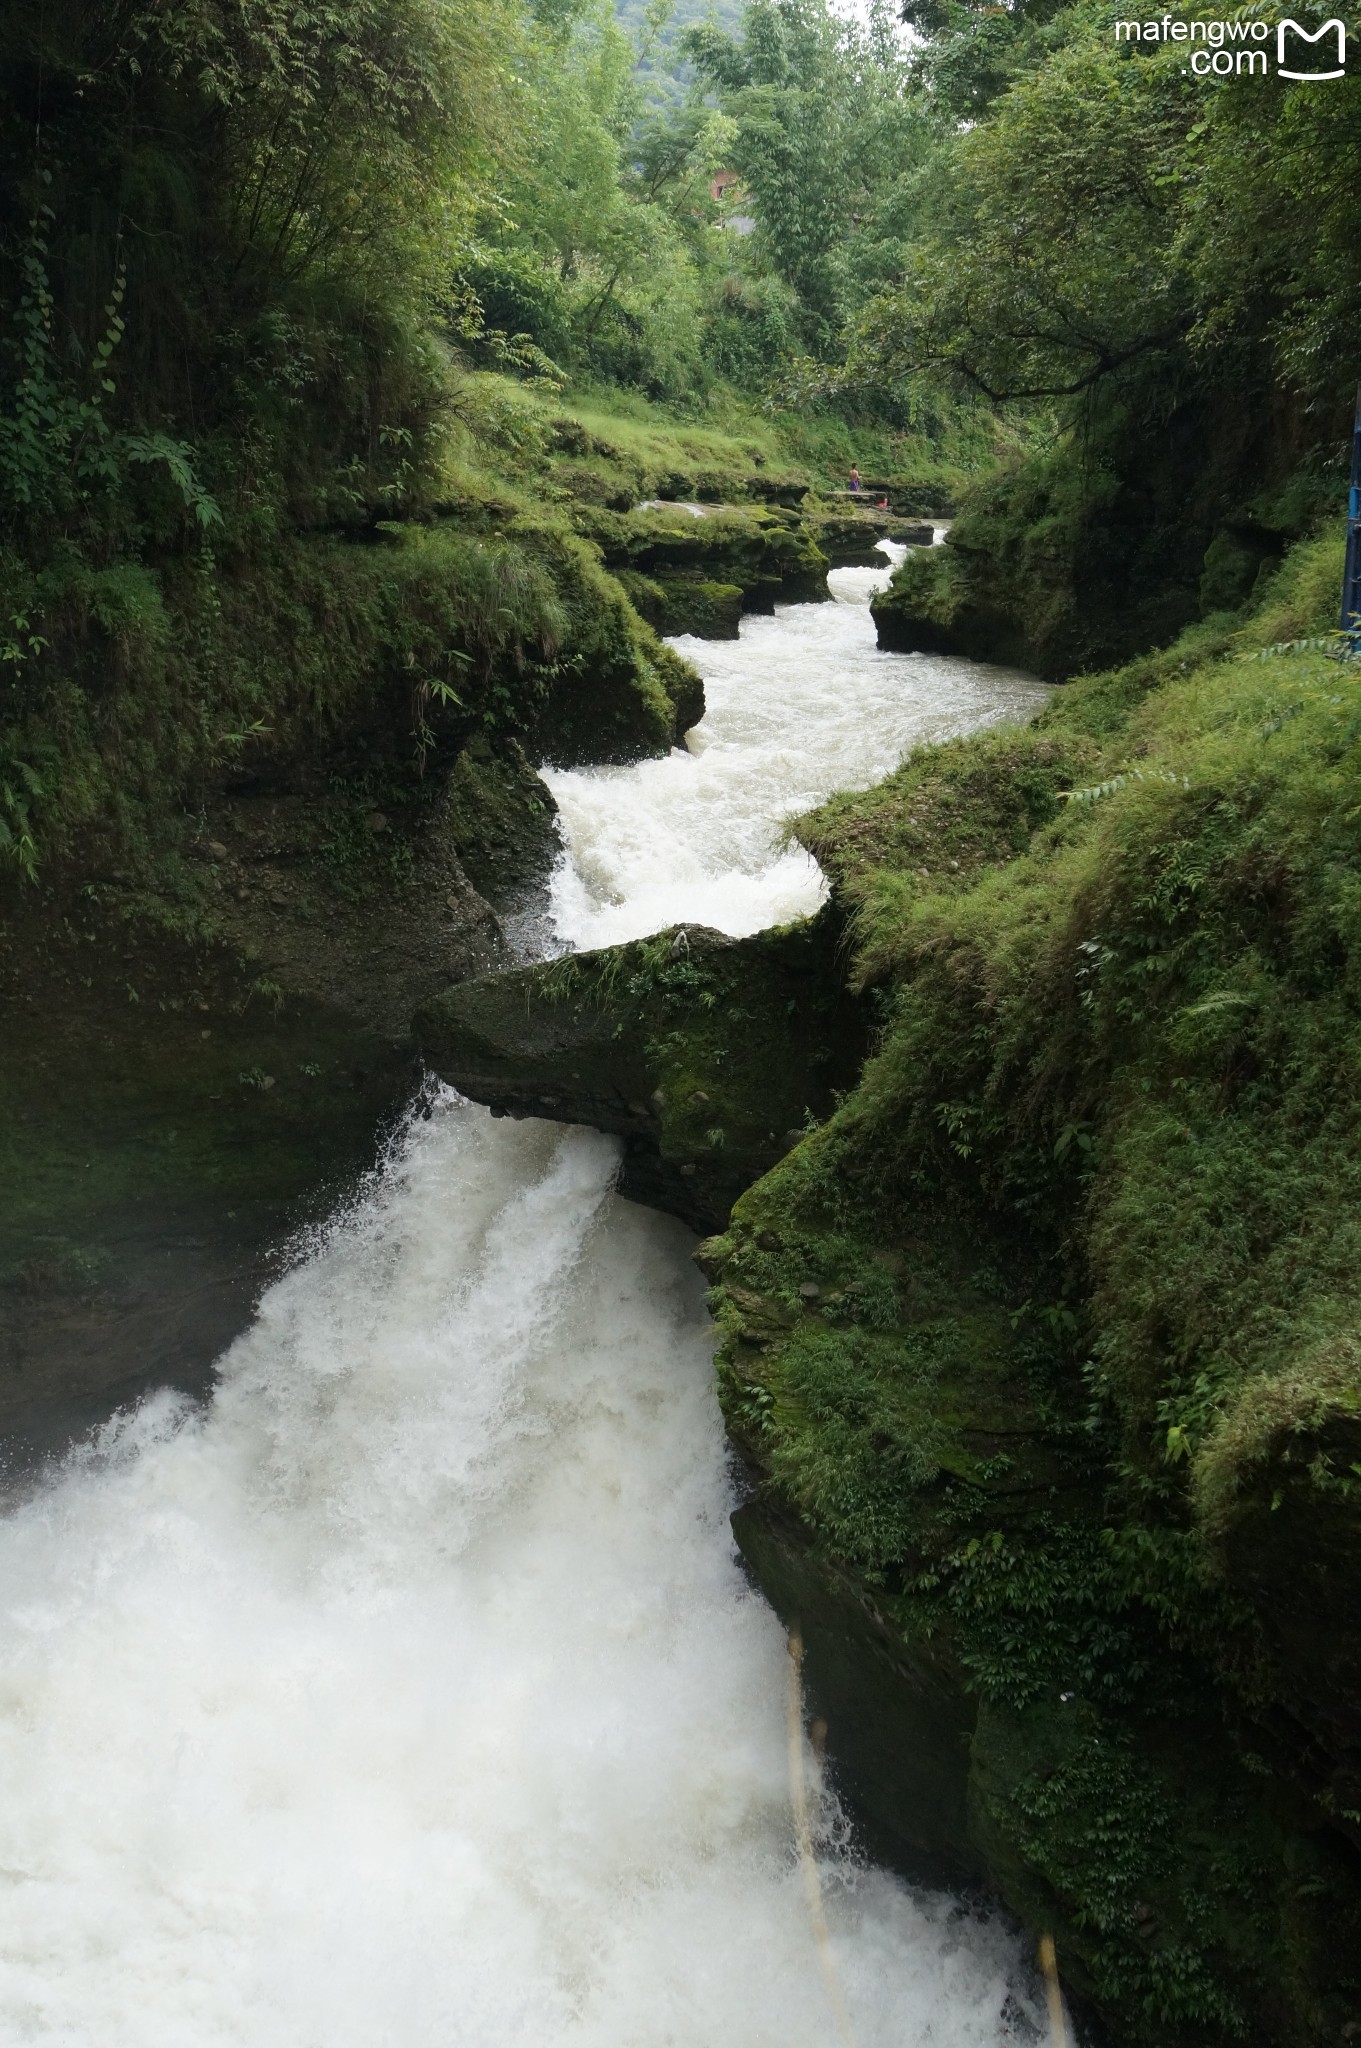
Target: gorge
(679, 1007)
(414, 1675)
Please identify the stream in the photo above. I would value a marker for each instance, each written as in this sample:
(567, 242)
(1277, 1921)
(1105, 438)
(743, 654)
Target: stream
(802, 704)
(410, 1692)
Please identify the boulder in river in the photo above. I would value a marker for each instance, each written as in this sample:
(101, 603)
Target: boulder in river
(700, 1051)
(767, 553)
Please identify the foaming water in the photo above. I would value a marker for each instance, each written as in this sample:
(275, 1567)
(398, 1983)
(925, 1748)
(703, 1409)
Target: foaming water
(802, 704)
(411, 1693)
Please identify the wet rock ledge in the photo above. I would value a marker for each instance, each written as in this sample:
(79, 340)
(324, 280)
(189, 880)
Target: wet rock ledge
(708, 1056)
(187, 1083)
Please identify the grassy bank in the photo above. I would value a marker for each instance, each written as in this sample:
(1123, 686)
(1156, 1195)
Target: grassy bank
(379, 637)
(1043, 1345)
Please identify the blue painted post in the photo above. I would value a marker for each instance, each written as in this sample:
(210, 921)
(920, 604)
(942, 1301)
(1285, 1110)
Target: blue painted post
(1351, 575)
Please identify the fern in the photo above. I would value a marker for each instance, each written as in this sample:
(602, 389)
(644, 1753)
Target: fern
(21, 788)
(1108, 788)
(1340, 645)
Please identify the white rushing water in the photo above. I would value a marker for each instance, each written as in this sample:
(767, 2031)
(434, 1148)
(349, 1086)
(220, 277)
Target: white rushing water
(802, 704)
(411, 1694)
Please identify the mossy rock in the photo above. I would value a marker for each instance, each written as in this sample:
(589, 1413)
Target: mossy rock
(589, 482)
(767, 553)
(167, 1126)
(501, 820)
(1236, 559)
(899, 1719)
(788, 489)
(678, 604)
(324, 658)
(1081, 554)
(612, 699)
(911, 497)
(850, 538)
(684, 687)
(645, 594)
(1043, 1346)
(994, 1715)
(1192, 1902)
(931, 607)
(709, 611)
(1280, 1486)
(705, 1054)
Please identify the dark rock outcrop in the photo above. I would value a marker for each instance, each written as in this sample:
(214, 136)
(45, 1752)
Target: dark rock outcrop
(187, 1083)
(169, 1121)
(685, 603)
(899, 1716)
(679, 562)
(903, 1467)
(367, 912)
(705, 1054)
(930, 608)
(850, 538)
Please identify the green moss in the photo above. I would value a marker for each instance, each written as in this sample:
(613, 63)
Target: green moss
(1091, 546)
(765, 553)
(501, 820)
(146, 695)
(685, 604)
(703, 1052)
(947, 812)
(1106, 1443)
(1166, 1906)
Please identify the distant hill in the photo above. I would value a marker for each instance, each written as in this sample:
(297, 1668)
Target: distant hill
(666, 74)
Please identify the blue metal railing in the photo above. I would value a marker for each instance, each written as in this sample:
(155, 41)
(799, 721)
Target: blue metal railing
(1351, 575)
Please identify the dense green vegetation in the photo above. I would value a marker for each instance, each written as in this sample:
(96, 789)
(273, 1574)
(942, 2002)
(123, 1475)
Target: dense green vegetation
(231, 392)
(1156, 271)
(341, 351)
(324, 336)
(253, 260)
(1039, 1346)
(1046, 1337)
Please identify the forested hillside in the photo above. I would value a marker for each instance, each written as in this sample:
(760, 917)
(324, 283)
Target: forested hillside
(1160, 270)
(253, 259)
(260, 273)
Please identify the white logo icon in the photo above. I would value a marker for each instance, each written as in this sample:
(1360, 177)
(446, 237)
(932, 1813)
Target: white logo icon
(1306, 37)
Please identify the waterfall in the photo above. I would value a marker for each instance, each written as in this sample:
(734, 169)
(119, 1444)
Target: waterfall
(410, 1693)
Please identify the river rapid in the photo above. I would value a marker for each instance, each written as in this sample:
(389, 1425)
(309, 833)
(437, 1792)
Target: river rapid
(802, 704)
(410, 1693)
